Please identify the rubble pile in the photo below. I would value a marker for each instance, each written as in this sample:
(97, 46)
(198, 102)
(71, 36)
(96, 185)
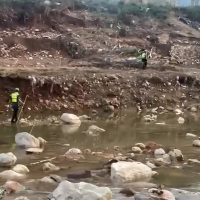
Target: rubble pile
(185, 54)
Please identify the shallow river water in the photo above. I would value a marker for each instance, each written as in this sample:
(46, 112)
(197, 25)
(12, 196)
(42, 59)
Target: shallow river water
(124, 132)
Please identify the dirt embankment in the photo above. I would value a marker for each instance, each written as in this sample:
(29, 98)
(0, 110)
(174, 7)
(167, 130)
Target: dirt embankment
(86, 88)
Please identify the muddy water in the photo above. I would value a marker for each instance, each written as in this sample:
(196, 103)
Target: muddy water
(124, 132)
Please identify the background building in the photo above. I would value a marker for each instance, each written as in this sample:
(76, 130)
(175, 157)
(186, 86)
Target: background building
(156, 2)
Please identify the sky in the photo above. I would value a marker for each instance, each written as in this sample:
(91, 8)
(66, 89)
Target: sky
(184, 2)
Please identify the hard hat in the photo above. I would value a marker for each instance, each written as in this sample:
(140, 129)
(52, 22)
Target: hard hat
(17, 89)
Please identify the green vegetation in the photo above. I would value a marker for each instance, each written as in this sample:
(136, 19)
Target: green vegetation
(159, 12)
(122, 10)
(193, 13)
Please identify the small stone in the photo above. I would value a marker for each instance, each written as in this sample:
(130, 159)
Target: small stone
(193, 109)
(66, 145)
(159, 151)
(127, 192)
(87, 151)
(141, 145)
(190, 135)
(136, 150)
(21, 169)
(181, 120)
(50, 167)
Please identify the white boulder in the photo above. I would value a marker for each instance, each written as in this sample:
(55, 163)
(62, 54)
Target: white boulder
(94, 130)
(28, 141)
(74, 151)
(12, 186)
(81, 191)
(176, 153)
(161, 194)
(194, 109)
(166, 158)
(159, 161)
(11, 175)
(191, 161)
(7, 159)
(190, 135)
(159, 151)
(47, 180)
(84, 118)
(149, 164)
(136, 150)
(20, 169)
(49, 167)
(181, 120)
(196, 143)
(70, 118)
(130, 171)
(141, 145)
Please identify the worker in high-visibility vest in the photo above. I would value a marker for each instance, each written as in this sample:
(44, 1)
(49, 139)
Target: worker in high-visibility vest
(15, 104)
(143, 57)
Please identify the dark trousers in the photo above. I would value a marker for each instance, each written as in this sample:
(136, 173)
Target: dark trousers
(15, 111)
(144, 63)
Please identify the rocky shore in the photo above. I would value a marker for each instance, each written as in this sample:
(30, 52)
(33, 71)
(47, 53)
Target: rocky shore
(78, 89)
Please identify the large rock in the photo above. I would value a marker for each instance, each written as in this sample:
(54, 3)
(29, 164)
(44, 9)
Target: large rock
(136, 150)
(12, 186)
(74, 151)
(166, 158)
(196, 143)
(11, 175)
(159, 151)
(28, 141)
(70, 118)
(49, 167)
(7, 159)
(80, 191)
(21, 169)
(48, 180)
(94, 130)
(176, 153)
(161, 194)
(130, 171)
(190, 135)
(185, 195)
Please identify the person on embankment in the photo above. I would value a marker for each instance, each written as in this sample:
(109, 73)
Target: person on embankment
(14, 98)
(143, 57)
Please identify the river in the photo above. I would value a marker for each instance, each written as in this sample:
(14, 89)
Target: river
(122, 131)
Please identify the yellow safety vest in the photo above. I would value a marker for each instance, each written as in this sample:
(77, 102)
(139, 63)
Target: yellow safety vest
(143, 56)
(14, 97)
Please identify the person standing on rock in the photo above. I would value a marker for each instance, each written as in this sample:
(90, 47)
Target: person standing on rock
(143, 57)
(14, 97)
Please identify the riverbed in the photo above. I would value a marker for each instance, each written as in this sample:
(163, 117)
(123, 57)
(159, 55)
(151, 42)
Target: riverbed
(123, 131)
